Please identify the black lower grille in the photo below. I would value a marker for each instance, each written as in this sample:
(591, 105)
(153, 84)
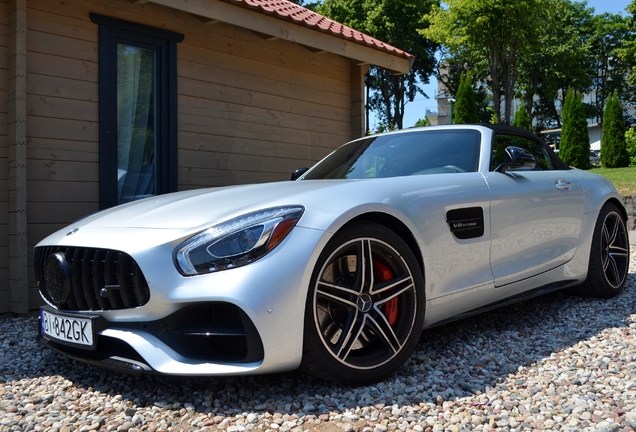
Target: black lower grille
(214, 331)
(97, 279)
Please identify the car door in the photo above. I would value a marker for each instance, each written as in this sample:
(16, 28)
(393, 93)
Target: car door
(535, 215)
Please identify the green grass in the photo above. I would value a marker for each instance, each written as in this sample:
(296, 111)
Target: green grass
(624, 179)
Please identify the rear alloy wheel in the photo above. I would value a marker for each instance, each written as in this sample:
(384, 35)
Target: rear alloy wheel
(365, 307)
(609, 256)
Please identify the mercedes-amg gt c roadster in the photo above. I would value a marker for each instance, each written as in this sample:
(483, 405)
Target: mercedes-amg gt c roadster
(338, 271)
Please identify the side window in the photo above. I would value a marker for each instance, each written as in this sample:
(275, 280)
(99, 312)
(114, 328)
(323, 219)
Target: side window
(137, 111)
(501, 141)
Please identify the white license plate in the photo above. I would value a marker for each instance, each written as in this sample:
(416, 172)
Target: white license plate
(69, 329)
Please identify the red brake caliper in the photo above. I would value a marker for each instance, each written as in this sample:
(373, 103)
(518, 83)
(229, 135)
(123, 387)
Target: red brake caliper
(383, 274)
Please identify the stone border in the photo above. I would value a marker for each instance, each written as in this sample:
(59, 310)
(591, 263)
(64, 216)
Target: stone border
(630, 205)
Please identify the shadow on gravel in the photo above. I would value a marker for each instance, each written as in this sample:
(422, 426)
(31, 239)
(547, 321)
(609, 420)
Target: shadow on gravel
(455, 360)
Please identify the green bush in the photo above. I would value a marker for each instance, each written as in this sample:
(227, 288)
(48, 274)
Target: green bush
(630, 141)
(522, 119)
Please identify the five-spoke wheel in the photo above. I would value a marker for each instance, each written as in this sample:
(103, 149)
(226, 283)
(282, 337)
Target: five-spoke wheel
(365, 307)
(609, 256)
(614, 250)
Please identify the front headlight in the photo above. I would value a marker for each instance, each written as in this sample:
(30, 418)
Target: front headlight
(236, 242)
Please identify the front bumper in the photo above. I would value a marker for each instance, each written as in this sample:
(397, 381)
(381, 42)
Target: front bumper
(200, 334)
(176, 333)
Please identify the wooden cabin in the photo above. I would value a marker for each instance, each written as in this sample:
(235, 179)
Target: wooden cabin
(106, 101)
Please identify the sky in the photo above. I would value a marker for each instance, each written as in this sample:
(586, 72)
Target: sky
(415, 110)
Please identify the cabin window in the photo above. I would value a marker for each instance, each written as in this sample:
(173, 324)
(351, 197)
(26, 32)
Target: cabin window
(137, 111)
(501, 141)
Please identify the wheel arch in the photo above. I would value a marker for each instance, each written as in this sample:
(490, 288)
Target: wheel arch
(395, 225)
(617, 203)
(600, 280)
(377, 231)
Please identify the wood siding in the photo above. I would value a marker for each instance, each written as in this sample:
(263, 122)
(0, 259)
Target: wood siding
(249, 110)
(253, 110)
(4, 192)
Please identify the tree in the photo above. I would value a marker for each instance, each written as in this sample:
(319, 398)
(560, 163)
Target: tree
(392, 22)
(522, 119)
(627, 52)
(613, 147)
(422, 122)
(559, 61)
(465, 110)
(450, 72)
(610, 71)
(492, 34)
(574, 149)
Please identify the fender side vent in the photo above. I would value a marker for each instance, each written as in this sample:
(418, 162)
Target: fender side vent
(466, 223)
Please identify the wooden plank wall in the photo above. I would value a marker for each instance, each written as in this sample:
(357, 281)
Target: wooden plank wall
(62, 121)
(250, 110)
(4, 194)
(16, 157)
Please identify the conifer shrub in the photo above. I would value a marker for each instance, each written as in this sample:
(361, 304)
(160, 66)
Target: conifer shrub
(465, 106)
(613, 146)
(574, 148)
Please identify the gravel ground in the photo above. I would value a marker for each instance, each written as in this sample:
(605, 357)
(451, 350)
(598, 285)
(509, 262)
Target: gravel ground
(556, 362)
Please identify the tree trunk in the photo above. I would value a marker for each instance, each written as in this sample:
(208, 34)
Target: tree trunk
(398, 85)
(367, 110)
(387, 104)
(496, 91)
(510, 78)
(507, 93)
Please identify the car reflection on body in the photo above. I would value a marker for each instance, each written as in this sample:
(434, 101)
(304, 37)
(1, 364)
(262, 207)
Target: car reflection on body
(336, 272)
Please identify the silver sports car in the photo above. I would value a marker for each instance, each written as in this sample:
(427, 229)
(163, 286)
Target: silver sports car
(336, 272)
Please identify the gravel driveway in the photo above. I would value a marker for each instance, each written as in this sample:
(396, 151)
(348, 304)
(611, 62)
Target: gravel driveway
(555, 362)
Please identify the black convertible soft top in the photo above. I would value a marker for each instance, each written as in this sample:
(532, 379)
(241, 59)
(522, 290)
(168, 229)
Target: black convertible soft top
(511, 130)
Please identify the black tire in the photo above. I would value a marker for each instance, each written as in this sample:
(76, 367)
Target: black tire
(362, 321)
(609, 256)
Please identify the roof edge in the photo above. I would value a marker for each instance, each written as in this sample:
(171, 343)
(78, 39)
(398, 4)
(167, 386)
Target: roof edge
(293, 23)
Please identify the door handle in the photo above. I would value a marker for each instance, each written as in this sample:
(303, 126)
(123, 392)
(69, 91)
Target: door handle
(563, 185)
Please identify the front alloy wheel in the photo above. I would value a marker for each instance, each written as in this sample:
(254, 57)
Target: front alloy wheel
(365, 307)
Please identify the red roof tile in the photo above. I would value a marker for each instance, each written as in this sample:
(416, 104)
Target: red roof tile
(286, 10)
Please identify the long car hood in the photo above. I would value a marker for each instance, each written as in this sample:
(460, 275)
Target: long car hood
(197, 208)
(415, 200)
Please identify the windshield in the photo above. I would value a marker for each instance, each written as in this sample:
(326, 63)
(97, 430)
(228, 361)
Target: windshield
(404, 154)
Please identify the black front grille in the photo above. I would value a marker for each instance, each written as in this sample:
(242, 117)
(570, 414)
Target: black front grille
(100, 279)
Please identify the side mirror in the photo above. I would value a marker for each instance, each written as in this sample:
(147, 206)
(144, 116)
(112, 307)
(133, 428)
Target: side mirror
(516, 157)
(298, 173)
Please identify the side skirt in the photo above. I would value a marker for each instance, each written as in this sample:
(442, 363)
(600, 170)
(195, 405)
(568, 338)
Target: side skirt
(545, 289)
